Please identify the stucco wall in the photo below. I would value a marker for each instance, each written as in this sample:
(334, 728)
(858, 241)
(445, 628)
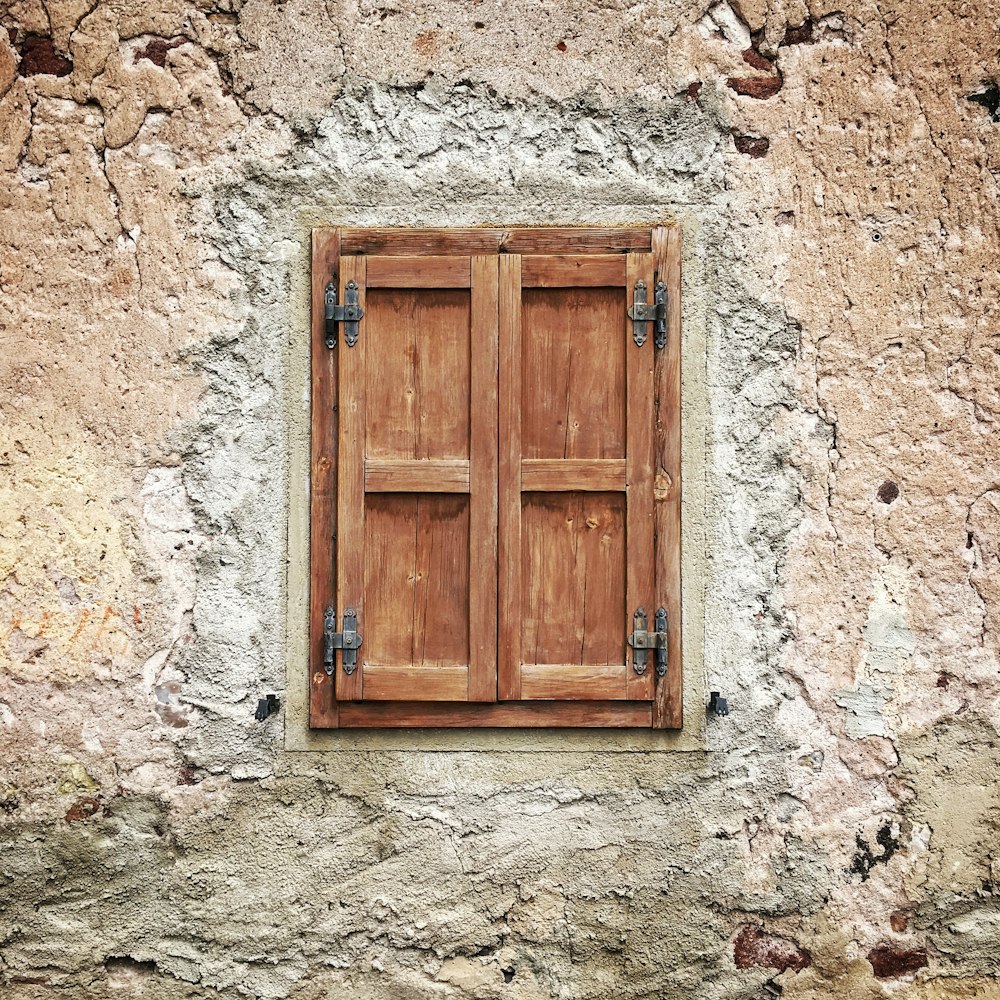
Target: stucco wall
(837, 835)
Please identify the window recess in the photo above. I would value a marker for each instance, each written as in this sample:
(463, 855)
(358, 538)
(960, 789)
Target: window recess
(495, 486)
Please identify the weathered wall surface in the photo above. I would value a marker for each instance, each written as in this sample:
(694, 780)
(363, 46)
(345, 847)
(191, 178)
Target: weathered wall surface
(837, 835)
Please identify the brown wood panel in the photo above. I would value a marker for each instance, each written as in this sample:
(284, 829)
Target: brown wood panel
(545, 271)
(416, 582)
(394, 475)
(419, 386)
(322, 480)
(418, 272)
(573, 579)
(509, 622)
(639, 476)
(541, 681)
(492, 240)
(668, 707)
(483, 501)
(351, 477)
(385, 683)
(538, 714)
(572, 372)
(563, 464)
(562, 474)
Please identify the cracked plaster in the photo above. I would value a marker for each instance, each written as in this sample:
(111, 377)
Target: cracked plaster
(840, 302)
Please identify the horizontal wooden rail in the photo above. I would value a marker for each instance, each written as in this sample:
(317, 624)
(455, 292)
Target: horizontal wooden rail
(571, 474)
(416, 475)
(419, 272)
(540, 681)
(570, 272)
(383, 682)
(394, 714)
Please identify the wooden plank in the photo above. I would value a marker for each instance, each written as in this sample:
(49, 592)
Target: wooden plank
(416, 582)
(483, 501)
(420, 337)
(591, 714)
(418, 272)
(509, 614)
(542, 271)
(573, 373)
(639, 476)
(576, 240)
(572, 681)
(351, 478)
(322, 480)
(573, 580)
(492, 240)
(587, 474)
(389, 475)
(668, 707)
(385, 682)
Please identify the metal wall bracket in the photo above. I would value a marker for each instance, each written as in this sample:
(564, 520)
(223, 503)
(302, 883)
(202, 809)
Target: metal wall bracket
(643, 312)
(348, 314)
(641, 640)
(349, 640)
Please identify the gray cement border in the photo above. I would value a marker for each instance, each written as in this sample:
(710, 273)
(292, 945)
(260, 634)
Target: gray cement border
(695, 417)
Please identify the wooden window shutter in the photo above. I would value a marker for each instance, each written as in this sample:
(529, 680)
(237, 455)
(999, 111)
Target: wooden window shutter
(495, 479)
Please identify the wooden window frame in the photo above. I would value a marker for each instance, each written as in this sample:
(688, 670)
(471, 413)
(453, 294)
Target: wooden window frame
(329, 245)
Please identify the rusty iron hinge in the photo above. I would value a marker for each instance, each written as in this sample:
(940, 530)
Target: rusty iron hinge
(349, 314)
(640, 640)
(349, 640)
(642, 312)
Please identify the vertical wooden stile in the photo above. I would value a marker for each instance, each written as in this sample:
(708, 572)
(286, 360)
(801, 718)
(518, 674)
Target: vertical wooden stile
(639, 475)
(668, 706)
(351, 479)
(322, 481)
(483, 499)
(509, 631)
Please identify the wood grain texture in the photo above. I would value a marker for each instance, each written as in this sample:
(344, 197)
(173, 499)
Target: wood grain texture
(668, 706)
(553, 480)
(418, 272)
(639, 476)
(322, 481)
(573, 372)
(393, 475)
(416, 582)
(418, 379)
(509, 625)
(387, 683)
(573, 474)
(573, 580)
(572, 681)
(514, 240)
(351, 478)
(484, 460)
(538, 714)
(560, 271)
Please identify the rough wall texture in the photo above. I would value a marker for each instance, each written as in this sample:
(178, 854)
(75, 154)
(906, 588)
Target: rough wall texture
(835, 172)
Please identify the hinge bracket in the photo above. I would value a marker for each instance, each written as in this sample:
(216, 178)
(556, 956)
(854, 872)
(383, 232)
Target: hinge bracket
(641, 640)
(349, 640)
(348, 314)
(643, 312)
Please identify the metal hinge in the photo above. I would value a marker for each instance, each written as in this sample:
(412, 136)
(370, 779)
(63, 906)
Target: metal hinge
(640, 640)
(349, 640)
(348, 314)
(642, 312)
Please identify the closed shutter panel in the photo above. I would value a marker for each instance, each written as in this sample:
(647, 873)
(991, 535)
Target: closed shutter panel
(495, 479)
(576, 477)
(417, 464)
